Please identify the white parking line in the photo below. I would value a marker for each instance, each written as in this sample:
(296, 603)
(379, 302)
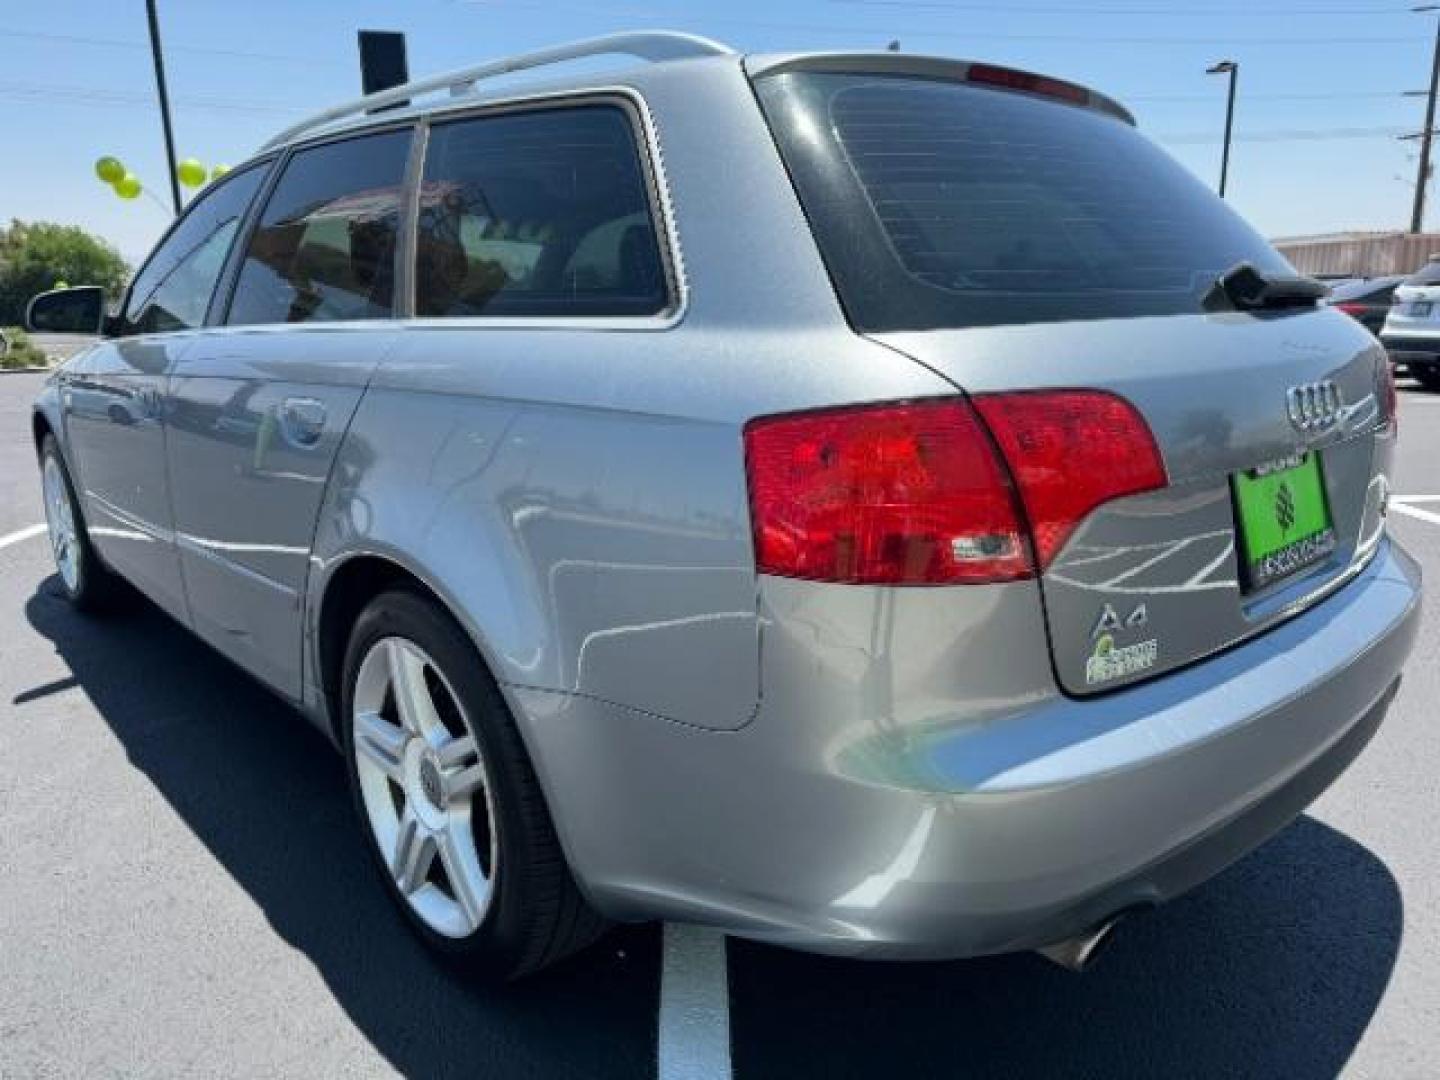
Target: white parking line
(21, 534)
(694, 1026)
(1415, 512)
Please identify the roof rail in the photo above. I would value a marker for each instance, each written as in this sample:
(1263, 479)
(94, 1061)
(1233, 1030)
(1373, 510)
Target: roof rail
(651, 45)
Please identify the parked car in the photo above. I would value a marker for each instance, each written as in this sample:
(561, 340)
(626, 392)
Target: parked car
(1366, 300)
(759, 491)
(1412, 329)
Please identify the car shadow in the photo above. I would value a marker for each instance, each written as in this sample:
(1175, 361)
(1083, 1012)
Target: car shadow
(1274, 968)
(266, 793)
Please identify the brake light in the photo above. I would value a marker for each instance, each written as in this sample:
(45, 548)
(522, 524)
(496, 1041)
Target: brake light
(1070, 451)
(1388, 395)
(934, 492)
(1011, 79)
(910, 493)
(1350, 308)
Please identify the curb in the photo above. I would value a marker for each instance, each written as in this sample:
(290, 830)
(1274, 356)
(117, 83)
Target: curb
(23, 370)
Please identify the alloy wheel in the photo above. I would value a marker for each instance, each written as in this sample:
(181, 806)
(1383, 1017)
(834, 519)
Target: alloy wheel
(424, 786)
(60, 520)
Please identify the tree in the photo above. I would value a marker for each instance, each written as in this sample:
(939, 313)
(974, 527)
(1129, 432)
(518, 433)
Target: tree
(34, 255)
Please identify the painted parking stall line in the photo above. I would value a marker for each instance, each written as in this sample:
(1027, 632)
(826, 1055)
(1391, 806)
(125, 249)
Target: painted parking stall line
(693, 1032)
(21, 534)
(1403, 507)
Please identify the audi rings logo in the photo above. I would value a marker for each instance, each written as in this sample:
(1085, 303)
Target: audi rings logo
(1314, 406)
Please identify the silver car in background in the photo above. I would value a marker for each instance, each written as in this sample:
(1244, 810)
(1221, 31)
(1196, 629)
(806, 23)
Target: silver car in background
(1412, 327)
(875, 504)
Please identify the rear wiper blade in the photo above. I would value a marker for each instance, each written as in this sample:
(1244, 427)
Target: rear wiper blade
(1244, 288)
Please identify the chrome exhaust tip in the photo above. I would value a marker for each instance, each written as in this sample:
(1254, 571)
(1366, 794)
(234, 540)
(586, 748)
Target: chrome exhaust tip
(1079, 952)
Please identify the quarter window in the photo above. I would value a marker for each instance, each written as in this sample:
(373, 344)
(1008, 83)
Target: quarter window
(172, 291)
(541, 213)
(325, 246)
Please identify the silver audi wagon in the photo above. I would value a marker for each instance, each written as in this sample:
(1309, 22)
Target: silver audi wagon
(871, 503)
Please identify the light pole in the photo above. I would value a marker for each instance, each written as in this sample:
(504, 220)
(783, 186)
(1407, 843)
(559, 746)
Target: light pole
(1417, 213)
(164, 103)
(1231, 68)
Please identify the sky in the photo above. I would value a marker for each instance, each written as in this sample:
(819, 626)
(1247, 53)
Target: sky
(1322, 85)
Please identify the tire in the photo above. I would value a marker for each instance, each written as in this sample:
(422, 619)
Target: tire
(88, 584)
(443, 788)
(1428, 377)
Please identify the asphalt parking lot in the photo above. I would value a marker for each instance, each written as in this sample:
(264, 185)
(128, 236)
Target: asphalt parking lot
(185, 893)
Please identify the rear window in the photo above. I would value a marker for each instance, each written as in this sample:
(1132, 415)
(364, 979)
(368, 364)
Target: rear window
(543, 213)
(937, 204)
(1428, 274)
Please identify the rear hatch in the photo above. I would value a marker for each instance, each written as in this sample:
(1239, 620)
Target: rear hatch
(1014, 233)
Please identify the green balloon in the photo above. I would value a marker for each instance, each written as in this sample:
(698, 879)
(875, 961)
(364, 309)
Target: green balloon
(190, 172)
(109, 169)
(218, 171)
(128, 186)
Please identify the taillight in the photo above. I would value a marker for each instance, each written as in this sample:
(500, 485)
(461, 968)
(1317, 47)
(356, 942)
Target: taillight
(1388, 395)
(1070, 451)
(910, 493)
(1355, 310)
(920, 492)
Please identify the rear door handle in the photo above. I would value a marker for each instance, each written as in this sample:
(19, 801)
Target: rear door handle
(302, 420)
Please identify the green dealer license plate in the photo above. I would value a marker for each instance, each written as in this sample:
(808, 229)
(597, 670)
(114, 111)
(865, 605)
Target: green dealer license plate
(1284, 519)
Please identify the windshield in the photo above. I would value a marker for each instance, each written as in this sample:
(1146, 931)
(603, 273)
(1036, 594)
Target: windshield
(1428, 274)
(937, 204)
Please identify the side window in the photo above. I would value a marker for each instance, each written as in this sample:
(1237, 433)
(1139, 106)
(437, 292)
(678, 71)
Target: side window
(172, 291)
(537, 213)
(324, 248)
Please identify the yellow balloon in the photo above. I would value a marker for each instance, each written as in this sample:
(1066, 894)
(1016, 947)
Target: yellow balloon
(218, 171)
(109, 169)
(128, 186)
(61, 284)
(190, 172)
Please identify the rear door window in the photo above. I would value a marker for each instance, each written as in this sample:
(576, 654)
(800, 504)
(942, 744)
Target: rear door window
(543, 213)
(940, 204)
(324, 248)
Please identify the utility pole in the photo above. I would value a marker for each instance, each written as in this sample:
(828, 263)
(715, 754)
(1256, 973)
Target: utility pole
(1231, 68)
(164, 104)
(1417, 214)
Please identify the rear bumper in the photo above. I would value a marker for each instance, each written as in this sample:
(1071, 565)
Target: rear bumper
(957, 838)
(1412, 348)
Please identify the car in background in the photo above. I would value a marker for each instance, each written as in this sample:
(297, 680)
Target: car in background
(1411, 334)
(1367, 300)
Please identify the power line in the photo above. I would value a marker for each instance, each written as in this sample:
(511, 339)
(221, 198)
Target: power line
(879, 33)
(1197, 138)
(127, 43)
(1208, 12)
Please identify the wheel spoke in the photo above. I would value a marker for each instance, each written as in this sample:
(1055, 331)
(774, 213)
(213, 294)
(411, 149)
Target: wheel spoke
(414, 852)
(467, 881)
(457, 751)
(412, 696)
(465, 783)
(380, 742)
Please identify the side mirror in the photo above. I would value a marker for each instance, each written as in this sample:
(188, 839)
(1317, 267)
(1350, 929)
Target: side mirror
(80, 310)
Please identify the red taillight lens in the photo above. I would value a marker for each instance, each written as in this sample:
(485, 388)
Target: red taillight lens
(1011, 79)
(1355, 310)
(1070, 451)
(910, 493)
(1389, 396)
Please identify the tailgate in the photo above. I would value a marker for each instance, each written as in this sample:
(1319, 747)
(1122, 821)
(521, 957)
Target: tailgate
(1151, 582)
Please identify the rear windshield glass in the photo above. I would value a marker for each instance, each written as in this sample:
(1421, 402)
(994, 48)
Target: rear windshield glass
(1426, 275)
(937, 204)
